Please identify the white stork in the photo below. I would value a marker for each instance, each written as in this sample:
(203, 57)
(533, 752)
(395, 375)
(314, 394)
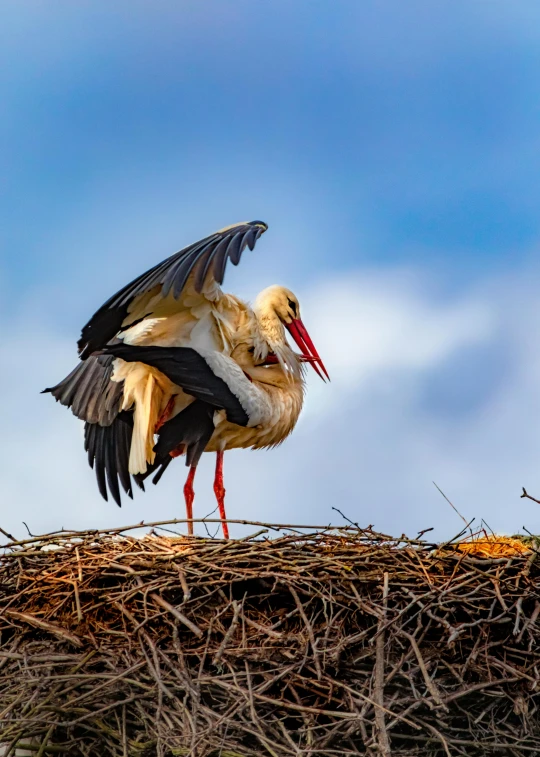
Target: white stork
(172, 355)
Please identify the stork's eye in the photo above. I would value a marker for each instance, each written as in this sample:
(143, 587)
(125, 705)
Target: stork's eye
(292, 306)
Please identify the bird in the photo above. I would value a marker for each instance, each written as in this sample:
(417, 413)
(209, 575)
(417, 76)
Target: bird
(171, 365)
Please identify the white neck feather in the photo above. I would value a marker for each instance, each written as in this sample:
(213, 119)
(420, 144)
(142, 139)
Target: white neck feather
(271, 335)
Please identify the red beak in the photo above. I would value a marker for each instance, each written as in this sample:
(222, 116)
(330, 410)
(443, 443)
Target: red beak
(300, 335)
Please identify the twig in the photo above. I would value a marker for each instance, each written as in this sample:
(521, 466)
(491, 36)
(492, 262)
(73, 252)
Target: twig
(50, 627)
(230, 632)
(528, 496)
(29, 532)
(351, 522)
(433, 690)
(450, 503)
(378, 694)
(309, 629)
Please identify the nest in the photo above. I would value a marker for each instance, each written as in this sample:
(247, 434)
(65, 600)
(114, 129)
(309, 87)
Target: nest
(335, 642)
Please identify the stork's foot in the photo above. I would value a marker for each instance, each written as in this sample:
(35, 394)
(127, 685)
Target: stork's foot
(219, 491)
(189, 496)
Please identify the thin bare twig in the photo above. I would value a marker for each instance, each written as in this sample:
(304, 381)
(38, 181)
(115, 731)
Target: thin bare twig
(451, 504)
(382, 734)
(528, 496)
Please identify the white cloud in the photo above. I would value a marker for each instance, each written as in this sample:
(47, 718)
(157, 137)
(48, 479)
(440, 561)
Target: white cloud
(372, 321)
(370, 442)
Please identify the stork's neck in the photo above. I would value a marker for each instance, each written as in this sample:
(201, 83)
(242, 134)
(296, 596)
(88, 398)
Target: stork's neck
(271, 329)
(271, 335)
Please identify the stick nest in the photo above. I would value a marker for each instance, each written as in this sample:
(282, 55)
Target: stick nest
(339, 642)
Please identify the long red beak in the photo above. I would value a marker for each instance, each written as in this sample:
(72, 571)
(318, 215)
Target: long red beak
(303, 340)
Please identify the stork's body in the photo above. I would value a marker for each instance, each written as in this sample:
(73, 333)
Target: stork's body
(172, 355)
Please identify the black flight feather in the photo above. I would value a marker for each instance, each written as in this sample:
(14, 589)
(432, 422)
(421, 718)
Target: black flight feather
(235, 249)
(108, 454)
(89, 391)
(220, 263)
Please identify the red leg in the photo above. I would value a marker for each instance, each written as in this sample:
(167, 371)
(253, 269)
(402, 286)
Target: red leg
(189, 495)
(166, 414)
(178, 451)
(219, 491)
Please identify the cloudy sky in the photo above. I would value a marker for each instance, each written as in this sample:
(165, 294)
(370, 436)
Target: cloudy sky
(394, 150)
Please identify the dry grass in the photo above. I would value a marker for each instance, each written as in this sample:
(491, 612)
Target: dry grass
(339, 642)
(493, 545)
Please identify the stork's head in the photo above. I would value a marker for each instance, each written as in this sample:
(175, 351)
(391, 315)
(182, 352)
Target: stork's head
(277, 308)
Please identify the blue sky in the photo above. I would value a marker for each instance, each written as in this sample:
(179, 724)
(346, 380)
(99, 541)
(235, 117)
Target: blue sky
(394, 151)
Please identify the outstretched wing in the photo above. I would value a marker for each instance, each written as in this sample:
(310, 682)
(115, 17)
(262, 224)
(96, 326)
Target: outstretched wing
(206, 260)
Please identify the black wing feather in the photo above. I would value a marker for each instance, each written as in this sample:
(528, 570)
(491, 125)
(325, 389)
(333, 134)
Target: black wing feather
(202, 269)
(193, 428)
(163, 467)
(177, 275)
(108, 454)
(220, 263)
(125, 432)
(217, 253)
(172, 275)
(89, 441)
(251, 237)
(189, 370)
(89, 391)
(236, 246)
(110, 468)
(99, 461)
